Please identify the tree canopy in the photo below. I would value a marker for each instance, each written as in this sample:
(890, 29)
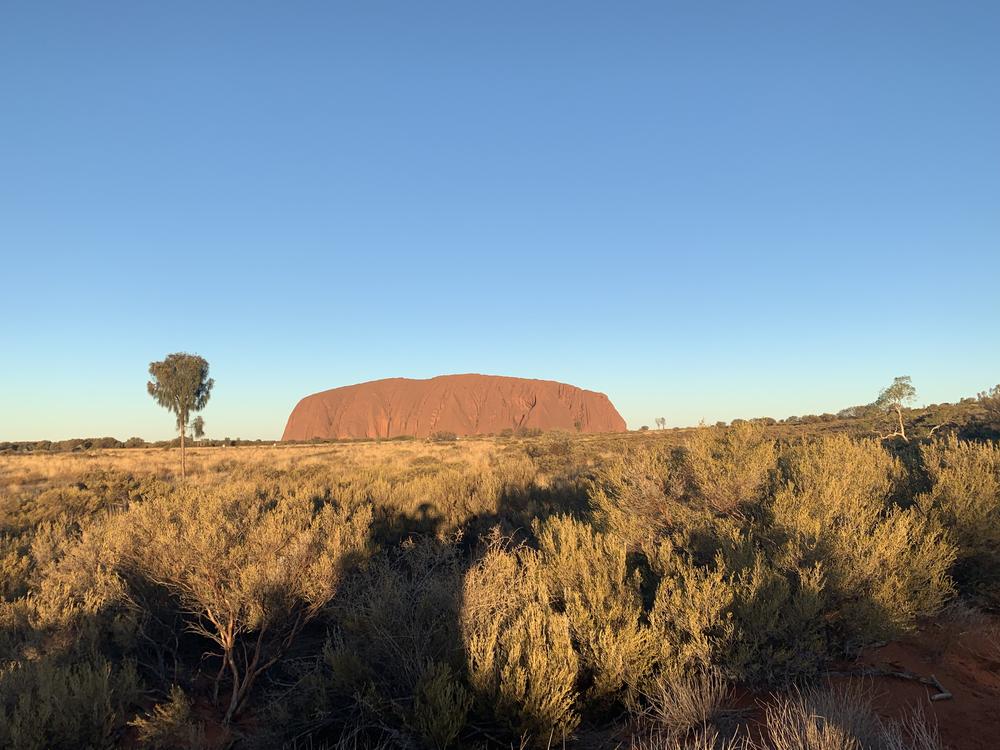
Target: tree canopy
(181, 384)
(900, 393)
(895, 397)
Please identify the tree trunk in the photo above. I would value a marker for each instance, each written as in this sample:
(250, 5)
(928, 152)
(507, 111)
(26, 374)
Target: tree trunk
(235, 695)
(902, 429)
(183, 465)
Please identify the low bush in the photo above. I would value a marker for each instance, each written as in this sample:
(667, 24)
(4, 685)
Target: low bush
(679, 705)
(589, 578)
(883, 565)
(828, 718)
(520, 658)
(440, 706)
(729, 468)
(171, 724)
(45, 705)
(780, 620)
(248, 572)
(964, 500)
(395, 638)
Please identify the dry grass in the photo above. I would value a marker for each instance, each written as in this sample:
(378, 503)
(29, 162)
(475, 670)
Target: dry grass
(842, 718)
(678, 705)
(20, 472)
(26, 472)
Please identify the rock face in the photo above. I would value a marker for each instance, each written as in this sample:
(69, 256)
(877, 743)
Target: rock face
(463, 404)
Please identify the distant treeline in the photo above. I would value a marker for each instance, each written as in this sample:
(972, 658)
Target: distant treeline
(86, 444)
(970, 418)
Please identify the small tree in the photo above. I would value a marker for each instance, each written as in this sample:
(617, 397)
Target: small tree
(661, 423)
(197, 428)
(893, 398)
(181, 384)
(249, 572)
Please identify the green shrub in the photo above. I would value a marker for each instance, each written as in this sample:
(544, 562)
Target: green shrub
(394, 617)
(520, 657)
(965, 500)
(637, 496)
(79, 599)
(15, 567)
(250, 572)
(883, 566)
(440, 706)
(48, 706)
(691, 618)
(171, 725)
(779, 624)
(589, 578)
(729, 468)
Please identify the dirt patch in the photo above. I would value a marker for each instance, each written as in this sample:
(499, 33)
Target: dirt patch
(962, 651)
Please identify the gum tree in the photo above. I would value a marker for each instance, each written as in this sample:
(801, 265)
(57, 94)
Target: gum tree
(181, 384)
(895, 397)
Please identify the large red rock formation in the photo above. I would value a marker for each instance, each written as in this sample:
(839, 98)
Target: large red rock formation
(463, 404)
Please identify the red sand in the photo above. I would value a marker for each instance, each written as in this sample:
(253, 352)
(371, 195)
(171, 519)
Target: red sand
(965, 658)
(463, 404)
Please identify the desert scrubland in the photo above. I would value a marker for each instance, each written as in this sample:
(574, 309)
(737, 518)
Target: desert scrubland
(722, 587)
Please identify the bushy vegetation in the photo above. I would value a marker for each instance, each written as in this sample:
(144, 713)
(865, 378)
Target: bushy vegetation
(531, 590)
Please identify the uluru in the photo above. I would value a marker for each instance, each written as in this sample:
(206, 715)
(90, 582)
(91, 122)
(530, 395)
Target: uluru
(462, 404)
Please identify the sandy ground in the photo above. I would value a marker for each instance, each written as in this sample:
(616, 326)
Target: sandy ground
(964, 655)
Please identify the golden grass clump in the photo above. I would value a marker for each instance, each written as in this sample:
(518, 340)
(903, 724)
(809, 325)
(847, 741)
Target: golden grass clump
(840, 718)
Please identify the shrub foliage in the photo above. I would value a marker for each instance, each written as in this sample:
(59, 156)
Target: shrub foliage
(525, 591)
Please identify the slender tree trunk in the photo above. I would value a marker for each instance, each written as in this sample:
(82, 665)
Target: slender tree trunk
(183, 464)
(235, 695)
(902, 430)
(218, 678)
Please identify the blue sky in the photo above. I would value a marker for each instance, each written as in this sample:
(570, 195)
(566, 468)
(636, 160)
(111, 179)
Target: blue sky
(704, 210)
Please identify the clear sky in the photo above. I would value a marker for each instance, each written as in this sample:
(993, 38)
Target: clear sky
(704, 210)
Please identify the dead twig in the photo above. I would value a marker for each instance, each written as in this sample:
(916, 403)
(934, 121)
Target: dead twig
(942, 693)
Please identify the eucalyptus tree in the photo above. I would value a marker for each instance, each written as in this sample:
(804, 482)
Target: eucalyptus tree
(181, 384)
(895, 397)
